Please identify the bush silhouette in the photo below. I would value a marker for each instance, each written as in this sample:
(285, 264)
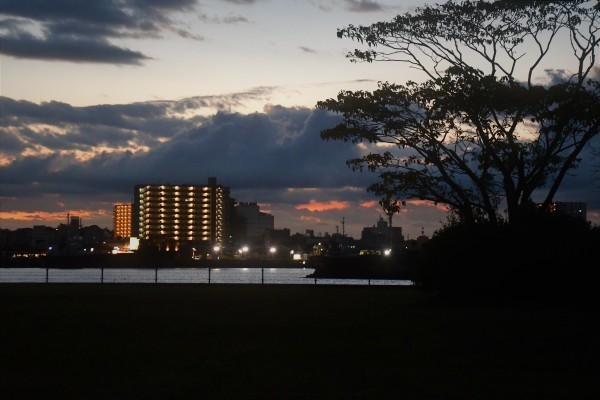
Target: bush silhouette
(544, 258)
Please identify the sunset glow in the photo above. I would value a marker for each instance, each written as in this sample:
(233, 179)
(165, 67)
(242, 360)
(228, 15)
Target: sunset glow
(316, 206)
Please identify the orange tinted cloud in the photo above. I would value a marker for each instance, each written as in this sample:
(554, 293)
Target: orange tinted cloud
(42, 217)
(370, 204)
(312, 220)
(314, 205)
(427, 203)
(418, 203)
(265, 207)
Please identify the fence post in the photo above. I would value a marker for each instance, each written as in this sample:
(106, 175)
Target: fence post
(156, 275)
(209, 275)
(47, 274)
(315, 280)
(102, 275)
(262, 277)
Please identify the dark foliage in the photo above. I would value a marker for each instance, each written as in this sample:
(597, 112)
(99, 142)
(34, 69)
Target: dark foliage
(546, 258)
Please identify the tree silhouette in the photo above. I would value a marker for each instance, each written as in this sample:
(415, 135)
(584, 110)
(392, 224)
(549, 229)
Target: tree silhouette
(480, 131)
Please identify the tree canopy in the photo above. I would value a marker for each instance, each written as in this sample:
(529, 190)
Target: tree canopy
(481, 130)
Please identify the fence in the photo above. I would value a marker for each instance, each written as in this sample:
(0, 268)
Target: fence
(180, 275)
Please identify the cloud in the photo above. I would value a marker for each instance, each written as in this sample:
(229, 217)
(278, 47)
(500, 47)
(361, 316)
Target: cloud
(241, 1)
(363, 5)
(307, 49)
(110, 148)
(84, 31)
(69, 49)
(314, 205)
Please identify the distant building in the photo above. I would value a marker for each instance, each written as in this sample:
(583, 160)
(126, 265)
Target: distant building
(93, 236)
(574, 209)
(168, 216)
(255, 222)
(122, 221)
(381, 236)
(69, 238)
(44, 237)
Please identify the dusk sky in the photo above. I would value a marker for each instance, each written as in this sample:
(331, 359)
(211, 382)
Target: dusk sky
(98, 96)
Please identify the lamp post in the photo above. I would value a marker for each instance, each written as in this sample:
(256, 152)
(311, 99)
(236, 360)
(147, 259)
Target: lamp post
(243, 251)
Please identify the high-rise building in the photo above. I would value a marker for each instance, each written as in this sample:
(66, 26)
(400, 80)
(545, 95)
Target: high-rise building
(169, 215)
(122, 220)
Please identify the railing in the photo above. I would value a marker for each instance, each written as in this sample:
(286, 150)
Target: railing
(263, 276)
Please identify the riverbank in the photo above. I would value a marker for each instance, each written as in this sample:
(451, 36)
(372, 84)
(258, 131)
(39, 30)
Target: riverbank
(136, 341)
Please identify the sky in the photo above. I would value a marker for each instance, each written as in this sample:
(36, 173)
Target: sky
(96, 97)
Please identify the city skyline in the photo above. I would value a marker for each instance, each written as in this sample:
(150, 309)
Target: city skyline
(97, 98)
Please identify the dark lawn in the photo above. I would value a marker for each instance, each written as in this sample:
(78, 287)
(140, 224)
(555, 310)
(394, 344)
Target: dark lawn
(146, 341)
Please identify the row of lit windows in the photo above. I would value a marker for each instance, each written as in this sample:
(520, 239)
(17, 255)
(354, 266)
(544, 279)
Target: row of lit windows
(165, 232)
(182, 202)
(175, 218)
(174, 213)
(192, 193)
(175, 190)
(149, 192)
(169, 187)
(175, 228)
(155, 206)
(175, 235)
(205, 238)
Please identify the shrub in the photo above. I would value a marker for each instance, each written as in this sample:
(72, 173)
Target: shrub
(544, 257)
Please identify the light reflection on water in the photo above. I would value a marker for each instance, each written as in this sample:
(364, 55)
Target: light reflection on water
(294, 276)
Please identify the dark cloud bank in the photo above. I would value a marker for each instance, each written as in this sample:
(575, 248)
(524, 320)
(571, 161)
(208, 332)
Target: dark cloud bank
(149, 143)
(86, 31)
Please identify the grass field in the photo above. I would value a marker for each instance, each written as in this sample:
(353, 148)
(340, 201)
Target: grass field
(146, 341)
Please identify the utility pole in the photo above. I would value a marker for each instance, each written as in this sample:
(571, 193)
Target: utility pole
(343, 226)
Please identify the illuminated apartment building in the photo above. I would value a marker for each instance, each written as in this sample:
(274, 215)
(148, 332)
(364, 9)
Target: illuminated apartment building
(170, 215)
(122, 220)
